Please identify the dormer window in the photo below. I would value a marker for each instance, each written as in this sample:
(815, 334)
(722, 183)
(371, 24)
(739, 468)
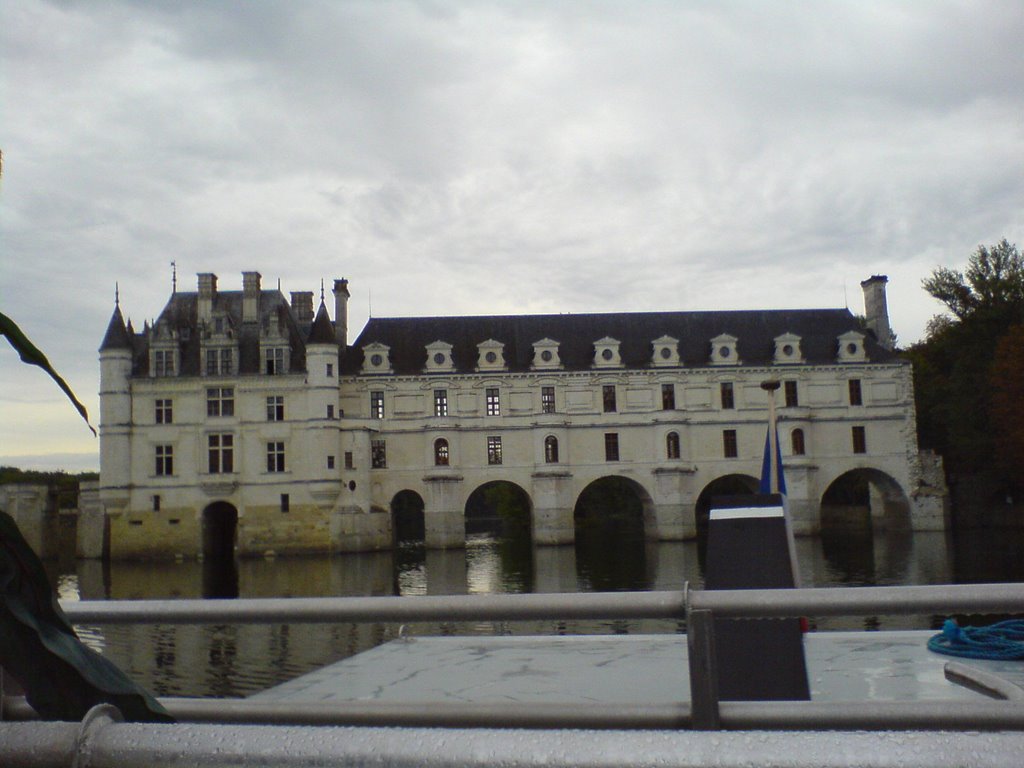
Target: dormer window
(545, 354)
(439, 357)
(606, 353)
(666, 352)
(723, 350)
(164, 363)
(851, 348)
(275, 360)
(377, 358)
(787, 349)
(490, 356)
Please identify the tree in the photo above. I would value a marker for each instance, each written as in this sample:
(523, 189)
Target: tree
(1005, 412)
(992, 282)
(969, 371)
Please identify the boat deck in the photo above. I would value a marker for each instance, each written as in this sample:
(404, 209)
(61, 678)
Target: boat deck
(620, 669)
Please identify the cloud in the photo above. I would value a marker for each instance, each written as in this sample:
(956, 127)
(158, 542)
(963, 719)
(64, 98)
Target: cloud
(490, 157)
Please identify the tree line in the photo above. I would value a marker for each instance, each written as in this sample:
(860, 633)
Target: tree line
(969, 376)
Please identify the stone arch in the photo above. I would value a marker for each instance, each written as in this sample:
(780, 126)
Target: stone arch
(499, 507)
(864, 499)
(220, 532)
(614, 522)
(407, 517)
(726, 485)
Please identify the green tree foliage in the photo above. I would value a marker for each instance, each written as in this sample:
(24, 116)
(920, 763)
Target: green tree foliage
(1006, 412)
(963, 383)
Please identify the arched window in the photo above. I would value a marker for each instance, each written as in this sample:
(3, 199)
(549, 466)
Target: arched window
(551, 449)
(441, 452)
(672, 445)
(797, 437)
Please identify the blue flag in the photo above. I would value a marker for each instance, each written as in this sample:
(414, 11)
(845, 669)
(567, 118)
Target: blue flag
(766, 467)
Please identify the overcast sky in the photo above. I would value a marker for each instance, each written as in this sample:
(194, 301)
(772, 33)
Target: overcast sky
(484, 157)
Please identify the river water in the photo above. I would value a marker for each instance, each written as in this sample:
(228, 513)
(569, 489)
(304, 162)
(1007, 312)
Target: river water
(236, 660)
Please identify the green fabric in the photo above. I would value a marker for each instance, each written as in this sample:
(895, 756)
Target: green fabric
(62, 677)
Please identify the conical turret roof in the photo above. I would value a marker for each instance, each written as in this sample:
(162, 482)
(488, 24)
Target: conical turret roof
(116, 336)
(322, 331)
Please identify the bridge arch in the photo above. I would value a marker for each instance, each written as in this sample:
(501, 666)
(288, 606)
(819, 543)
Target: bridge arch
(407, 517)
(865, 499)
(499, 507)
(614, 522)
(220, 531)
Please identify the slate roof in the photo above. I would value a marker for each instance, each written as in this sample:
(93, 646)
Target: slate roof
(755, 330)
(181, 314)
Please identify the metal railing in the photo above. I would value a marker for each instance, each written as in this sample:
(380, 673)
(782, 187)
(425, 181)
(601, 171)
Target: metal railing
(698, 608)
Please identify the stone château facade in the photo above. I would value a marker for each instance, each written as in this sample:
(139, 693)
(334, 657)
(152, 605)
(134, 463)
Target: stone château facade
(242, 420)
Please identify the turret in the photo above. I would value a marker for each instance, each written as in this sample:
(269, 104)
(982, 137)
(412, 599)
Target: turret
(115, 409)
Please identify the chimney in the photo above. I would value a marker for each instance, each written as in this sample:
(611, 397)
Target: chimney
(207, 293)
(876, 310)
(341, 295)
(250, 297)
(302, 306)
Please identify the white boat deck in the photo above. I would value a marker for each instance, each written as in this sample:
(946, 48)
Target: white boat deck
(624, 669)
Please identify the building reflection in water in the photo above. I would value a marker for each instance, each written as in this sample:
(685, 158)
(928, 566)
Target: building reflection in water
(225, 660)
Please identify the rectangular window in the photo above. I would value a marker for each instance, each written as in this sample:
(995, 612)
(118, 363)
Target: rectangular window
(275, 408)
(728, 401)
(860, 441)
(330, 411)
(221, 453)
(494, 450)
(163, 362)
(165, 460)
(378, 454)
(440, 402)
(729, 447)
(286, 502)
(330, 462)
(275, 457)
(855, 397)
(164, 412)
(218, 362)
(275, 361)
(611, 446)
(547, 399)
(220, 401)
(349, 463)
(792, 396)
(156, 503)
(330, 370)
(376, 405)
(608, 398)
(668, 397)
(493, 402)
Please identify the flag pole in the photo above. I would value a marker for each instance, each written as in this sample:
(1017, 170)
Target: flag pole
(770, 386)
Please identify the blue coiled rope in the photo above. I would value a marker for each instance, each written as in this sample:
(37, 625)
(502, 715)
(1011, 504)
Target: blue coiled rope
(1003, 641)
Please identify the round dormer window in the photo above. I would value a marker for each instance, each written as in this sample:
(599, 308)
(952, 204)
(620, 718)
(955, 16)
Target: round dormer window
(376, 360)
(788, 350)
(490, 357)
(851, 348)
(724, 351)
(546, 356)
(607, 354)
(439, 358)
(666, 353)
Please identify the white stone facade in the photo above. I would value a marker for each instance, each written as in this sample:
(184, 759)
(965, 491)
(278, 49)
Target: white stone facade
(324, 438)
